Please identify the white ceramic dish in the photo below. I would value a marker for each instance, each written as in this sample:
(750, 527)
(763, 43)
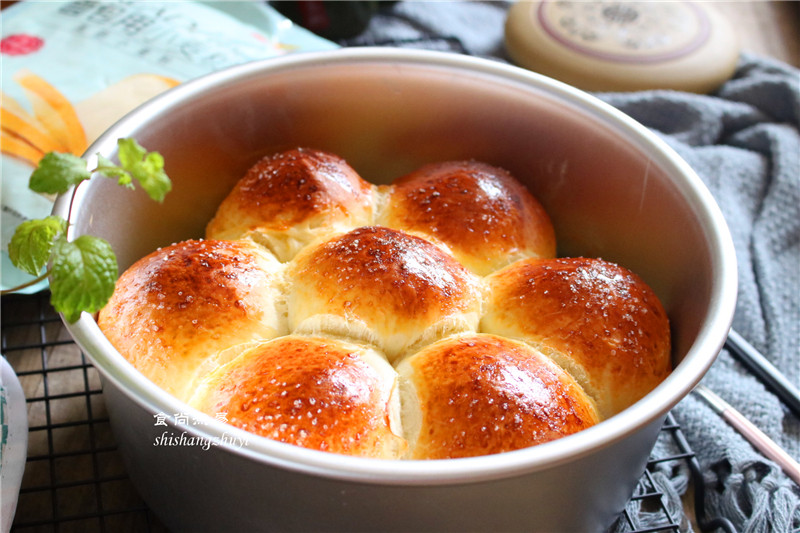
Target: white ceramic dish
(13, 442)
(612, 188)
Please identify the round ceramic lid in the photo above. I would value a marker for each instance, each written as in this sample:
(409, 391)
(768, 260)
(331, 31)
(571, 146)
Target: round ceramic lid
(623, 46)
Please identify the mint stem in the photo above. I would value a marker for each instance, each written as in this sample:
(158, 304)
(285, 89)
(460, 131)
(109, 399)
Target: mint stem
(25, 285)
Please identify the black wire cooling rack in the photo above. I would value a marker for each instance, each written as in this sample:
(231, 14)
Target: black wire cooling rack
(75, 479)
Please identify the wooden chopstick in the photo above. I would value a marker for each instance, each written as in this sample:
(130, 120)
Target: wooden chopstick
(748, 430)
(764, 370)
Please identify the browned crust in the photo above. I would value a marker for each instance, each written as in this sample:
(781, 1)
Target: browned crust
(375, 272)
(600, 315)
(289, 188)
(186, 301)
(482, 394)
(479, 210)
(314, 393)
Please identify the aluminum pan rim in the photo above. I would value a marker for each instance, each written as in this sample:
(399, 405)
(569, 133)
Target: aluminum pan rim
(117, 371)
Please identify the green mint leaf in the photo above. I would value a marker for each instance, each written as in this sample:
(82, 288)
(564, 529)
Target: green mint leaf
(130, 152)
(57, 172)
(145, 167)
(30, 246)
(107, 168)
(83, 275)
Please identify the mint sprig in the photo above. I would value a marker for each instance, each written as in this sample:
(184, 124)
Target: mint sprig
(29, 248)
(83, 272)
(57, 172)
(83, 276)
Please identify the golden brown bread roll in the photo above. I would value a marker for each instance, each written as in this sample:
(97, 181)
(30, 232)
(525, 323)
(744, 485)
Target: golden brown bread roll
(486, 217)
(319, 393)
(598, 320)
(287, 200)
(446, 275)
(480, 394)
(181, 304)
(382, 286)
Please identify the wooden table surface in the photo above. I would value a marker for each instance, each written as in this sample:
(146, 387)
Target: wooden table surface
(766, 28)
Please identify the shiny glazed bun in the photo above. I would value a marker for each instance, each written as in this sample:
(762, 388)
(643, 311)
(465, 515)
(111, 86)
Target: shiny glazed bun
(486, 217)
(181, 304)
(598, 320)
(287, 200)
(319, 393)
(382, 286)
(480, 394)
(423, 319)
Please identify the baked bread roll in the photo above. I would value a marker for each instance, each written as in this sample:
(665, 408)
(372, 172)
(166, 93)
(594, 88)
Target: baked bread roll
(319, 393)
(480, 394)
(597, 320)
(181, 304)
(383, 286)
(319, 285)
(484, 215)
(291, 198)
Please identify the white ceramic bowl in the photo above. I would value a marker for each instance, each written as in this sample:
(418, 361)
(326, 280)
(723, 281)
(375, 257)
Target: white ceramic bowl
(612, 188)
(13, 442)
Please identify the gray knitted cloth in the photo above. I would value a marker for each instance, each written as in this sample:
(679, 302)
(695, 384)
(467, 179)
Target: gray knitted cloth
(744, 143)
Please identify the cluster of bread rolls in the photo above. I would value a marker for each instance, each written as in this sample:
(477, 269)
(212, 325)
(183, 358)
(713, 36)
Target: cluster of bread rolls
(424, 319)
